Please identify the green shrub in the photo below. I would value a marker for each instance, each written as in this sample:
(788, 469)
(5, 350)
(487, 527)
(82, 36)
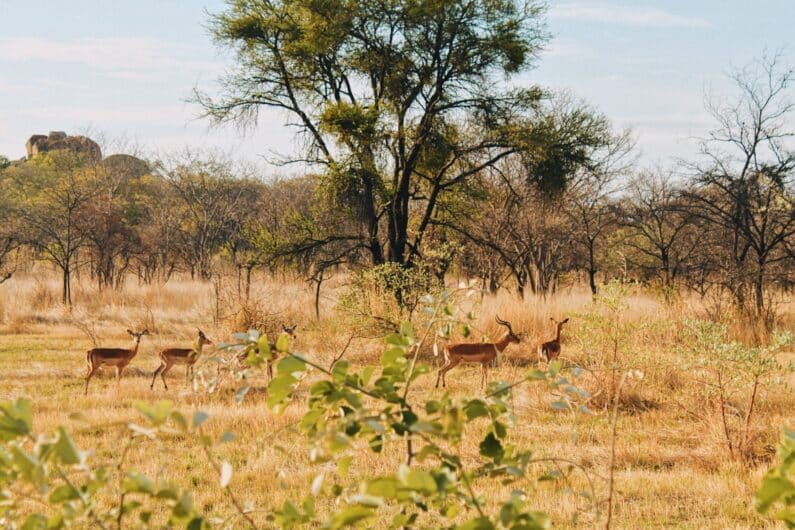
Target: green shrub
(778, 486)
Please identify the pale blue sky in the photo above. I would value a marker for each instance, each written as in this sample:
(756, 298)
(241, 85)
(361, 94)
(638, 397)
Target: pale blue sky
(124, 68)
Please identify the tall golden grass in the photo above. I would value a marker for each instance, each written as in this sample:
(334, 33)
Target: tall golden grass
(671, 468)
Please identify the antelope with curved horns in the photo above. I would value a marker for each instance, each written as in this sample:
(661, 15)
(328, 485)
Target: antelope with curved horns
(118, 357)
(476, 352)
(550, 350)
(290, 331)
(187, 356)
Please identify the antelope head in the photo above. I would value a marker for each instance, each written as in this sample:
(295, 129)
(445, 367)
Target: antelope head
(290, 330)
(203, 340)
(138, 334)
(512, 337)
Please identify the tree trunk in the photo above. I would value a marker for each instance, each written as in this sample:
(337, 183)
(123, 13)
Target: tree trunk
(592, 270)
(248, 281)
(67, 285)
(319, 282)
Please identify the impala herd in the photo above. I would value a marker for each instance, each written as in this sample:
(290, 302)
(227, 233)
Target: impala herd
(454, 354)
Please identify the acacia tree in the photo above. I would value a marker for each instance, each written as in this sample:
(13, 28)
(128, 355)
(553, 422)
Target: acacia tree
(159, 232)
(398, 103)
(588, 203)
(745, 183)
(658, 227)
(111, 222)
(211, 198)
(10, 238)
(518, 222)
(49, 194)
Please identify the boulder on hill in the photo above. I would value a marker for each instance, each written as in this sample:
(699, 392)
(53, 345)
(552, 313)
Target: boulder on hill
(38, 143)
(126, 166)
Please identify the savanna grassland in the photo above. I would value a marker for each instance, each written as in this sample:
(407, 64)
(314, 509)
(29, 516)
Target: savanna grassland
(672, 466)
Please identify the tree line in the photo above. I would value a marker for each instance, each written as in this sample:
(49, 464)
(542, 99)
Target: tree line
(419, 150)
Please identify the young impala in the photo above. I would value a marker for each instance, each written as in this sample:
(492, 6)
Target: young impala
(186, 356)
(290, 331)
(550, 350)
(118, 357)
(476, 352)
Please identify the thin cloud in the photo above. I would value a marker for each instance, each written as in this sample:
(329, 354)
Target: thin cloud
(624, 15)
(125, 57)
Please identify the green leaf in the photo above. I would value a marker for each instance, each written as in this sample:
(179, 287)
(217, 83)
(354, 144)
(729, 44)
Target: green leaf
(227, 436)
(283, 343)
(184, 508)
(393, 356)
(66, 450)
(339, 371)
(407, 330)
(396, 340)
(536, 375)
(772, 489)
(16, 419)
(279, 389)
(29, 467)
(199, 417)
(349, 516)
(178, 418)
(377, 443)
(137, 483)
(491, 447)
(35, 522)
(63, 493)
(475, 409)
(421, 481)
(480, 523)
(344, 466)
(170, 492)
(241, 393)
(197, 523)
(290, 365)
(384, 487)
(157, 413)
(264, 347)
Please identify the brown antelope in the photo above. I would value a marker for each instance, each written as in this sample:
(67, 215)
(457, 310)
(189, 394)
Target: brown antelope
(550, 350)
(475, 352)
(187, 356)
(118, 357)
(290, 331)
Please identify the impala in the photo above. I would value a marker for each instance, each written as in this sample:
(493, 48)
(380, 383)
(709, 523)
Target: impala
(118, 357)
(290, 331)
(186, 356)
(476, 352)
(550, 350)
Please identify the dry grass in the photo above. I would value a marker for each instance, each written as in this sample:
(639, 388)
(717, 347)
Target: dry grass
(671, 469)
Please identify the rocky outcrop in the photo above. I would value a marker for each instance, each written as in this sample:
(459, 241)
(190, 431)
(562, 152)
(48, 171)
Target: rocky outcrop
(38, 143)
(126, 166)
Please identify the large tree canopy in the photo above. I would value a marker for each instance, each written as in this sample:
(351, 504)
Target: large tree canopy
(399, 101)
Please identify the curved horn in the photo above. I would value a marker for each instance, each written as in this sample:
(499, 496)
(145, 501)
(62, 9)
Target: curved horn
(504, 323)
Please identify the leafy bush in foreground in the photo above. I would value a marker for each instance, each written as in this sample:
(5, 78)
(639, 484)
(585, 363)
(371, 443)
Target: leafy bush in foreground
(778, 486)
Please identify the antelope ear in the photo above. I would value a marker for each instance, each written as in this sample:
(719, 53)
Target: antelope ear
(130, 332)
(145, 332)
(565, 321)
(552, 319)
